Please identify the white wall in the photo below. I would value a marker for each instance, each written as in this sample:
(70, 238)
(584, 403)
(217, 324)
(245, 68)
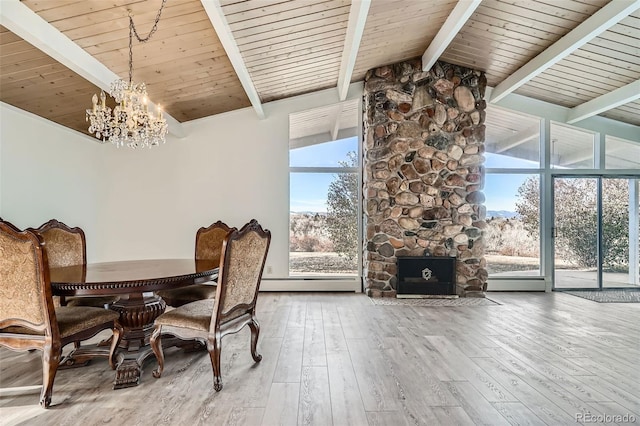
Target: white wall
(48, 171)
(136, 204)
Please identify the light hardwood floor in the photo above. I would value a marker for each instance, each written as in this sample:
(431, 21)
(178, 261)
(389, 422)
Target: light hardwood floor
(337, 359)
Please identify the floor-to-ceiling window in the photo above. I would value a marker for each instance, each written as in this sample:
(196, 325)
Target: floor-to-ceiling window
(623, 155)
(620, 231)
(575, 232)
(512, 190)
(595, 209)
(595, 232)
(562, 203)
(324, 192)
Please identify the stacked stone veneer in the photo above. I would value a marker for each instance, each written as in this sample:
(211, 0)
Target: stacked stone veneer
(423, 173)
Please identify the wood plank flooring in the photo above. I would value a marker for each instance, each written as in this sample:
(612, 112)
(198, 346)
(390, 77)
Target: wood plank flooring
(337, 359)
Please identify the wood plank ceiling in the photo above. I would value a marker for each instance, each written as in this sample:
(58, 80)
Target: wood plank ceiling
(291, 47)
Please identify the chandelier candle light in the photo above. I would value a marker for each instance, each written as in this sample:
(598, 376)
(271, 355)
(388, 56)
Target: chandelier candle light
(131, 123)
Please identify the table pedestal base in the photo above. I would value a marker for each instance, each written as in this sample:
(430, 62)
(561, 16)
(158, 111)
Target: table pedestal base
(137, 314)
(129, 368)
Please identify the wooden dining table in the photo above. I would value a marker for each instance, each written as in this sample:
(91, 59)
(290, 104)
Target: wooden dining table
(135, 283)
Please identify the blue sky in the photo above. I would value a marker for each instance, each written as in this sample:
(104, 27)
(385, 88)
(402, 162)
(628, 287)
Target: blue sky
(501, 190)
(308, 191)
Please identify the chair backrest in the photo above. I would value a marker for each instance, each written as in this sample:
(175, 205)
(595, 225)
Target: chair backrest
(25, 291)
(209, 241)
(65, 246)
(244, 254)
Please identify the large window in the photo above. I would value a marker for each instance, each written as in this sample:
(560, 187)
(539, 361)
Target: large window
(512, 190)
(324, 192)
(512, 235)
(512, 140)
(621, 154)
(562, 202)
(571, 148)
(596, 232)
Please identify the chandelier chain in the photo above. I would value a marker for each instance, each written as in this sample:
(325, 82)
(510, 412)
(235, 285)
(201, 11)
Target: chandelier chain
(153, 30)
(129, 122)
(132, 31)
(130, 51)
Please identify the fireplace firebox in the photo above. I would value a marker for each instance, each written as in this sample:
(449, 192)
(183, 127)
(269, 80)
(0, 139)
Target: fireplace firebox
(426, 275)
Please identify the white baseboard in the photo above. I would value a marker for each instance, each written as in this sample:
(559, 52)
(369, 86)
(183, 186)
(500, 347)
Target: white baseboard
(311, 284)
(427, 296)
(516, 285)
(334, 284)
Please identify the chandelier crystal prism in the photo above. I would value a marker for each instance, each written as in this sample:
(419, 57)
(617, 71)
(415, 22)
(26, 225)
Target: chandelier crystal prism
(130, 122)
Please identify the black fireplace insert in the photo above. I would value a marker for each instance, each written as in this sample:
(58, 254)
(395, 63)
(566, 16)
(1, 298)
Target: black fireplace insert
(426, 275)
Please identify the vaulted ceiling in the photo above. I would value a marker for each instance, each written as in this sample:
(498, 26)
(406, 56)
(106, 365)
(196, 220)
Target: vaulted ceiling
(213, 56)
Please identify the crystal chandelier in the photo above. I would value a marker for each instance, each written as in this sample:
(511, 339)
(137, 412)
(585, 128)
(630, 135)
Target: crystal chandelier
(130, 123)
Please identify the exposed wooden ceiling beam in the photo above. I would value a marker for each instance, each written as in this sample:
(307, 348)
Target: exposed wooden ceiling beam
(595, 25)
(26, 24)
(456, 20)
(223, 30)
(620, 96)
(355, 27)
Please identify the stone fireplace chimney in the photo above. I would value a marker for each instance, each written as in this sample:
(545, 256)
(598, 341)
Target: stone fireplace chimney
(423, 173)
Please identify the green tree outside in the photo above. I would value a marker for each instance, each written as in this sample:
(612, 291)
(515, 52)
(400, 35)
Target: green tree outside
(342, 210)
(576, 219)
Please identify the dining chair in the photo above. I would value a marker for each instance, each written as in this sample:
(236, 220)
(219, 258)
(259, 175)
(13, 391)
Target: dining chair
(66, 246)
(208, 246)
(28, 318)
(244, 253)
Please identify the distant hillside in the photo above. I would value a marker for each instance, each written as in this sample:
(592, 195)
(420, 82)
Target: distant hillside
(506, 214)
(307, 213)
(501, 213)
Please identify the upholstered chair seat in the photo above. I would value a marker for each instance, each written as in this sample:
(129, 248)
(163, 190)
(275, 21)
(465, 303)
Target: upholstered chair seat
(243, 256)
(72, 320)
(28, 318)
(184, 295)
(101, 301)
(208, 246)
(194, 316)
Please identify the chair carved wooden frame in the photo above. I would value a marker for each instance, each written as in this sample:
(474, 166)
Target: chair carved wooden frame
(244, 254)
(66, 246)
(28, 318)
(208, 245)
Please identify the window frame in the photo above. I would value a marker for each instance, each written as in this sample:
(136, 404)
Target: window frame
(344, 281)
